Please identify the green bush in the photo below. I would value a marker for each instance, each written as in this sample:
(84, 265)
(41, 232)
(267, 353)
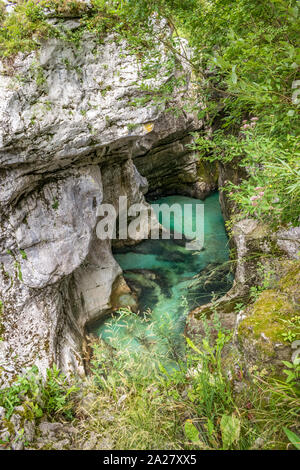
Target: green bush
(23, 29)
(52, 397)
(246, 65)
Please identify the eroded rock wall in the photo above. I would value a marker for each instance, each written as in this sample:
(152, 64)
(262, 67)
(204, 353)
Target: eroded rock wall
(71, 139)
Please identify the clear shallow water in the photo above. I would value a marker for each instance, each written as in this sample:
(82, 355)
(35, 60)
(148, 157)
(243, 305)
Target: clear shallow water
(162, 273)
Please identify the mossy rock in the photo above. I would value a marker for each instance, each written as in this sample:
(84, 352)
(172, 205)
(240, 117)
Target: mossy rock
(273, 321)
(268, 316)
(207, 172)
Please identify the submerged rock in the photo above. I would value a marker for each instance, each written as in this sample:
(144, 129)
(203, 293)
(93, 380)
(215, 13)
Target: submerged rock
(215, 278)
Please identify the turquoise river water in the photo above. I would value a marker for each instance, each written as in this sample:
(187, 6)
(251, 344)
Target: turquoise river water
(165, 277)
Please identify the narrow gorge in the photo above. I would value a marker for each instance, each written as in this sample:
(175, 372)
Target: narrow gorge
(67, 146)
(90, 116)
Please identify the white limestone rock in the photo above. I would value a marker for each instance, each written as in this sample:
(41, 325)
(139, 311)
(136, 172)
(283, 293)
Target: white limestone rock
(70, 136)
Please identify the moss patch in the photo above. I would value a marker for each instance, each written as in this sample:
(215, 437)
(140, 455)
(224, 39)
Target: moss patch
(267, 315)
(274, 319)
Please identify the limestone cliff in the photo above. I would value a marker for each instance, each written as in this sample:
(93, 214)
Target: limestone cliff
(70, 139)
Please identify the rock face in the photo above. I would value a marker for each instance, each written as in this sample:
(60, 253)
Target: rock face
(262, 332)
(259, 326)
(71, 138)
(171, 168)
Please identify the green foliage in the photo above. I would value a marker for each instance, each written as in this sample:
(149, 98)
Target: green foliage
(193, 406)
(65, 7)
(55, 204)
(293, 328)
(142, 417)
(52, 397)
(274, 406)
(208, 393)
(25, 389)
(249, 50)
(293, 438)
(132, 126)
(230, 429)
(23, 30)
(155, 406)
(161, 393)
(123, 19)
(38, 74)
(209, 390)
(272, 191)
(292, 372)
(256, 64)
(191, 432)
(289, 336)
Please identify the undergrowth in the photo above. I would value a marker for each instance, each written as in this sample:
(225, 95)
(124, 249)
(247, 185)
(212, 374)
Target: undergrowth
(51, 397)
(196, 406)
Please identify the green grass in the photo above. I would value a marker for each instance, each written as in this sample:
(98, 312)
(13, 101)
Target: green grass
(195, 407)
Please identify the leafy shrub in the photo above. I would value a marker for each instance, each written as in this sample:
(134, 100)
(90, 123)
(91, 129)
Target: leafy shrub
(23, 29)
(57, 394)
(52, 397)
(246, 64)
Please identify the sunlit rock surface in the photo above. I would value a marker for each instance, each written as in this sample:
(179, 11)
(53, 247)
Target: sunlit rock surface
(70, 136)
